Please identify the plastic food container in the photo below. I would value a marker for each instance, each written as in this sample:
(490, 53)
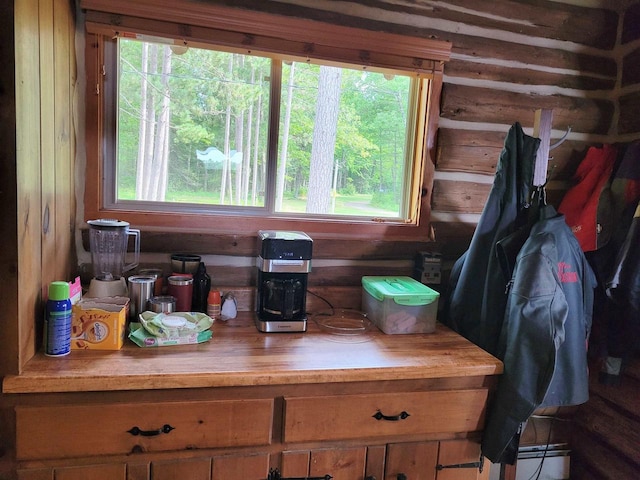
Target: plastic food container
(400, 304)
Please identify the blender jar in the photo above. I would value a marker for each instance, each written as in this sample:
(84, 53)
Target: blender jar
(108, 240)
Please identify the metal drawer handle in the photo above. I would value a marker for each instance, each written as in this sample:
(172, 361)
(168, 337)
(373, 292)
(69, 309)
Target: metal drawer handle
(275, 475)
(393, 418)
(166, 428)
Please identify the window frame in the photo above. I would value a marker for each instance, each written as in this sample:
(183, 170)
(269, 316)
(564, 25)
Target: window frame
(198, 22)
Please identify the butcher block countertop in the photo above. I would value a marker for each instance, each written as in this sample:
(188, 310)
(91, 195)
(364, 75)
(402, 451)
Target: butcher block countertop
(238, 355)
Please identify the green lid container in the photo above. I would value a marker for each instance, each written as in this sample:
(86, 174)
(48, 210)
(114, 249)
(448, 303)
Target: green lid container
(59, 291)
(402, 290)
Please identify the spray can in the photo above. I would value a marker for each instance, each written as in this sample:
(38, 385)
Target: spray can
(57, 322)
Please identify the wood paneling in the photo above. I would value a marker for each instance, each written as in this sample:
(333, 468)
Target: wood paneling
(43, 162)
(475, 104)
(631, 68)
(631, 23)
(629, 121)
(482, 71)
(8, 193)
(606, 437)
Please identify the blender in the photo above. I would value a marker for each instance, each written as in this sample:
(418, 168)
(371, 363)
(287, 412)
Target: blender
(108, 241)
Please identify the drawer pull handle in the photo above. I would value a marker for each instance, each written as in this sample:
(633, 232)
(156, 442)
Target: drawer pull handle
(390, 418)
(275, 475)
(135, 431)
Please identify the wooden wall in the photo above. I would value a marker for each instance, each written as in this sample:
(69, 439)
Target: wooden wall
(606, 438)
(38, 192)
(509, 58)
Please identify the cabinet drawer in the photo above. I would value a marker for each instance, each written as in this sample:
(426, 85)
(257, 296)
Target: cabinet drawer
(81, 430)
(344, 417)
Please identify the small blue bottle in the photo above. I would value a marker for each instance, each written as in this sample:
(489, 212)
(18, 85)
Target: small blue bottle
(57, 322)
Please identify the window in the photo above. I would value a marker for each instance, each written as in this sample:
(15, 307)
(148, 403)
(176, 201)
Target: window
(200, 131)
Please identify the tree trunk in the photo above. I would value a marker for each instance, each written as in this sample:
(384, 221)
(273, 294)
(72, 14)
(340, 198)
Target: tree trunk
(282, 161)
(144, 120)
(324, 140)
(150, 115)
(162, 153)
(256, 148)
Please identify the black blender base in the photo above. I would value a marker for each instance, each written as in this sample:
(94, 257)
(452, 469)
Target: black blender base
(283, 326)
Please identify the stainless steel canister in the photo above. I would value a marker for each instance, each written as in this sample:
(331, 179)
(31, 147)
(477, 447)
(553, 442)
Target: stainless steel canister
(140, 291)
(162, 304)
(157, 273)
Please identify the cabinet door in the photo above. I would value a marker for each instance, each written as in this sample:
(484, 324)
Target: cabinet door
(414, 460)
(94, 472)
(198, 469)
(461, 452)
(341, 463)
(249, 467)
(116, 471)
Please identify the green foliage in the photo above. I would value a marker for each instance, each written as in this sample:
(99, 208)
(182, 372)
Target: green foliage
(213, 94)
(385, 200)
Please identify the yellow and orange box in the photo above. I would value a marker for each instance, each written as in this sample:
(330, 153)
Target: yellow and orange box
(99, 323)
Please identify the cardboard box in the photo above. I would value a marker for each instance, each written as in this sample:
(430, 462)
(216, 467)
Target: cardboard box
(399, 304)
(99, 323)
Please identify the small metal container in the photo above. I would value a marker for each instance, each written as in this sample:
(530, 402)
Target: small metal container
(140, 291)
(162, 304)
(154, 272)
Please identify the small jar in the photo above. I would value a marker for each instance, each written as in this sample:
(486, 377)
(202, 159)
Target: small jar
(157, 274)
(181, 287)
(162, 304)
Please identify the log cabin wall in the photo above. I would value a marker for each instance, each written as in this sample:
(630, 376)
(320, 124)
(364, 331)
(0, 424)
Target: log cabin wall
(509, 58)
(606, 439)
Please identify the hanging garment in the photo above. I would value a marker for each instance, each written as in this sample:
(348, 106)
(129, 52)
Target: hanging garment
(585, 205)
(543, 340)
(624, 285)
(474, 305)
(615, 321)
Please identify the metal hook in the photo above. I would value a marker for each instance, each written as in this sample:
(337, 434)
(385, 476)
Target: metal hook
(562, 140)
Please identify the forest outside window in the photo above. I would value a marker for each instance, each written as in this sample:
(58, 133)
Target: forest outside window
(200, 130)
(193, 129)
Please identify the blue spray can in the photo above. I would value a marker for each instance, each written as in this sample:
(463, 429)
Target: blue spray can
(57, 322)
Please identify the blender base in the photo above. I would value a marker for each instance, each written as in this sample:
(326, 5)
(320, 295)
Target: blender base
(107, 288)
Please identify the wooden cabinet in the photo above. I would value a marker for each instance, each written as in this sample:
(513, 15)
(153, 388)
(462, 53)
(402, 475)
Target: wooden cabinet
(446, 460)
(348, 436)
(342, 417)
(77, 430)
(246, 404)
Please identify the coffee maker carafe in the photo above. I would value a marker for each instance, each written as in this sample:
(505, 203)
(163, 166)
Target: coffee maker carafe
(108, 242)
(284, 264)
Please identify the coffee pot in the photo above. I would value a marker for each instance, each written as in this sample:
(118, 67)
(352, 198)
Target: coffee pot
(283, 267)
(108, 242)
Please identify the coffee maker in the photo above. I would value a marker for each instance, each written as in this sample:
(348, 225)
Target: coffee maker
(284, 263)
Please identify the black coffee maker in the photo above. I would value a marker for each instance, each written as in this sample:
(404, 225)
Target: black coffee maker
(284, 263)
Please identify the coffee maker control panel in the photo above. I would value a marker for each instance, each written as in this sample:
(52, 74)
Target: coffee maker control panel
(284, 245)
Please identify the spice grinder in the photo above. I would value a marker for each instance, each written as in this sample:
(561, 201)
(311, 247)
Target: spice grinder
(284, 263)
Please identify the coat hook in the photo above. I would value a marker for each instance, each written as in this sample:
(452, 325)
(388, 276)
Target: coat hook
(562, 140)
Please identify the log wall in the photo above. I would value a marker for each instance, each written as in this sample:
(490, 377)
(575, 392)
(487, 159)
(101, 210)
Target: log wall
(605, 441)
(509, 58)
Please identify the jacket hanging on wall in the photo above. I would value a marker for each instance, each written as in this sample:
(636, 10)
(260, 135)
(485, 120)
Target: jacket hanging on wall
(474, 305)
(538, 326)
(543, 341)
(586, 205)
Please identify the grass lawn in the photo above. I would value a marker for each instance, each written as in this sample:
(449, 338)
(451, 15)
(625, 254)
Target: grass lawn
(358, 205)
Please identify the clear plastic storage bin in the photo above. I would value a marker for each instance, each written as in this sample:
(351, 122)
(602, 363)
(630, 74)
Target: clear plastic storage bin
(399, 304)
